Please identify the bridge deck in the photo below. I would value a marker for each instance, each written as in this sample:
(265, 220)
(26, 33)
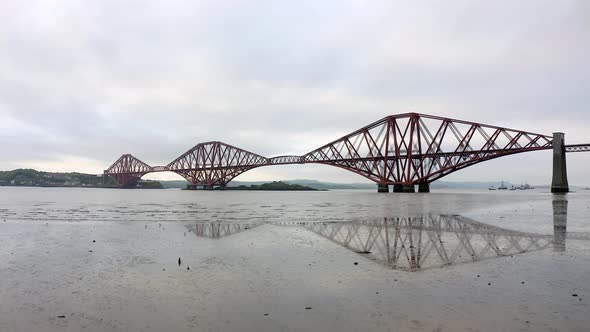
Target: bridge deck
(577, 148)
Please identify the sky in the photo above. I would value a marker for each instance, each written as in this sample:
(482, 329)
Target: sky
(83, 82)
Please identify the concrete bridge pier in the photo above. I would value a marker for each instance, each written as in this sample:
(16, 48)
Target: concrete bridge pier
(559, 182)
(382, 188)
(403, 188)
(424, 187)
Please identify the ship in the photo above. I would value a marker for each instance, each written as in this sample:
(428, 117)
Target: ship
(525, 186)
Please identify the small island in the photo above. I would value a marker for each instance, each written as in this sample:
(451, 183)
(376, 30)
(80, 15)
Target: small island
(274, 186)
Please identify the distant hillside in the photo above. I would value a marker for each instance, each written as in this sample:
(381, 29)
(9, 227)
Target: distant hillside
(34, 178)
(475, 185)
(307, 183)
(315, 184)
(174, 184)
(466, 185)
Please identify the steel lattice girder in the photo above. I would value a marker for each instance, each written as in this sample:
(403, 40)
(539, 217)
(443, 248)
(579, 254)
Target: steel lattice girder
(127, 170)
(215, 163)
(577, 148)
(408, 148)
(283, 160)
(415, 148)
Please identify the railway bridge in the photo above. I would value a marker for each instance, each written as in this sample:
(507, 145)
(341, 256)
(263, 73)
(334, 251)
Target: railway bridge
(402, 150)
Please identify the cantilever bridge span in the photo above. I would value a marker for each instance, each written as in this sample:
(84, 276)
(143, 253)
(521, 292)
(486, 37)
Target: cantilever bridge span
(402, 150)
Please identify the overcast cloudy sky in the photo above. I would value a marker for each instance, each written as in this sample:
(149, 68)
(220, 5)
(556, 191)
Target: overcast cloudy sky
(82, 82)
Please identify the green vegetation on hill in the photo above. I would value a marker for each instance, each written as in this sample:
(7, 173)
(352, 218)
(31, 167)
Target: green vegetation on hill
(33, 178)
(275, 185)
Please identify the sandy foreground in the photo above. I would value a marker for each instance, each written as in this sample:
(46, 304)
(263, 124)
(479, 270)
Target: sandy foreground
(54, 277)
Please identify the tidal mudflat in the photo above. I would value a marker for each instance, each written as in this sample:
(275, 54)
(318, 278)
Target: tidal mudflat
(96, 260)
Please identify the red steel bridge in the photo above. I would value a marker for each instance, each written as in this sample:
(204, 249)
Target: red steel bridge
(402, 150)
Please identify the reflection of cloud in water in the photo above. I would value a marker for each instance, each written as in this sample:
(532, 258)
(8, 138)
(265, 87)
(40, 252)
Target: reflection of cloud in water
(422, 242)
(216, 230)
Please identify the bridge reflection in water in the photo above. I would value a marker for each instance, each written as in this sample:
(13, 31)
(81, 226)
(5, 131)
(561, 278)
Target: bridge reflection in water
(418, 242)
(560, 222)
(422, 242)
(216, 230)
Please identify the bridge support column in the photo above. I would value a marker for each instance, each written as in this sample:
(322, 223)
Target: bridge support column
(559, 182)
(382, 188)
(424, 187)
(403, 188)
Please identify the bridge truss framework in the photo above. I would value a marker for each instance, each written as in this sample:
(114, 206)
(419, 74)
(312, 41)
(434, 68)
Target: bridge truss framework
(401, 150)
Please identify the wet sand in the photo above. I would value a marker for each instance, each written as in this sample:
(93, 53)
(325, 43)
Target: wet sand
(268, 278)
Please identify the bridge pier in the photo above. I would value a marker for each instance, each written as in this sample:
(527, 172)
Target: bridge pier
(382, 188)
(424, 187)
(559, 182)
(403, 188)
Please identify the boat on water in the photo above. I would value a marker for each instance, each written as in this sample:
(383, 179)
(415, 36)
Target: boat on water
(503, 186)
(525, 186)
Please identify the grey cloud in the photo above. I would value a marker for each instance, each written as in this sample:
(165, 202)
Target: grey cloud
(95, 80)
